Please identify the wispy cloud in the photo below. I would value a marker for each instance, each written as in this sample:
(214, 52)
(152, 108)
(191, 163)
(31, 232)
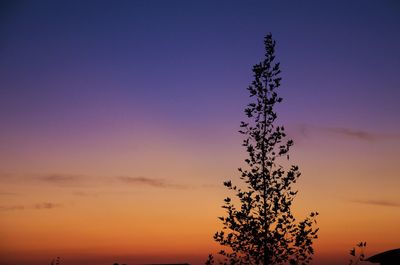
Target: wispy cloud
(4, 193)
(379, 202)
(159, 183)
(85, 194)
(46, 205)
(79, 181)
(6, 176)
(37, 206)
(63, 179)
(352, 133)
(12, 208)
(59, 179)
(363, 135)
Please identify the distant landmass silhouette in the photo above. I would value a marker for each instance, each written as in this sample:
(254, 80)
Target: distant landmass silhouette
(167, 264)
(160, 264)
(390, 257)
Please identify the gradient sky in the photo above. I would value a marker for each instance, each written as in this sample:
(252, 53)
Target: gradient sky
(119, 123)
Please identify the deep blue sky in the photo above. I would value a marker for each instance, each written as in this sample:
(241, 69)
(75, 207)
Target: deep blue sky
(164, 57)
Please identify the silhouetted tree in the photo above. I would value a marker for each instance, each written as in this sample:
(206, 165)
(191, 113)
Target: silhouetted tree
(56, 261)
(262, 228)
(357, 256)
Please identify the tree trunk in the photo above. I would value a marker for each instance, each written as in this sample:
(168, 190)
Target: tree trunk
(265, 255)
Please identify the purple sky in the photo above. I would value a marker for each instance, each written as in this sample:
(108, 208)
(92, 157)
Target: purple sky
(188, 63)
(95, 92)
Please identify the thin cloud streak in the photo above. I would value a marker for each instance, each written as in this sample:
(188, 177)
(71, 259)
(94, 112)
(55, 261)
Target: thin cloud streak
(358, 134)
(56, 178)
(65, 179)
(59, 178)
(77, 180)
(7, 193)
(6, 176)
(37, 206)
(159, 183)
(47, 205)
(379, 202)
(85, 194)
(12, 208)
(362, 135)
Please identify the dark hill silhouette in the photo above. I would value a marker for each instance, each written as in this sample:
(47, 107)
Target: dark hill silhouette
(390, 257)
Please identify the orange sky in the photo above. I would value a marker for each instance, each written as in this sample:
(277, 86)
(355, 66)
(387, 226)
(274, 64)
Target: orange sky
(118, 124)
(82, 214)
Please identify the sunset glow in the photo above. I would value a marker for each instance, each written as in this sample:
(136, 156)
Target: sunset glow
(119, 120)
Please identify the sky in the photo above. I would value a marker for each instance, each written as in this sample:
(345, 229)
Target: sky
(119, 120)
